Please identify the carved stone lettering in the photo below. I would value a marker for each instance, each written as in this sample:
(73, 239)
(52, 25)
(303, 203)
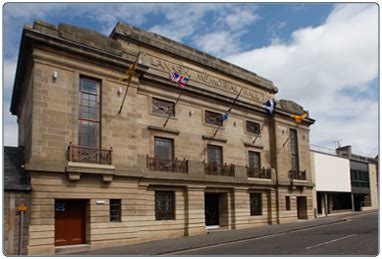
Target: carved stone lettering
(206, 79)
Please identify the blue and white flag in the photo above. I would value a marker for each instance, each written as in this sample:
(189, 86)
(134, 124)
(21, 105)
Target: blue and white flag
(225, 116)
(270, 105)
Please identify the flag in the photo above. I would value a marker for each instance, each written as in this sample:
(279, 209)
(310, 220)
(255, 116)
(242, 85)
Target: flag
(299, 118)
(270, 105)
(129, 73)
(179, 79)
(225, 116)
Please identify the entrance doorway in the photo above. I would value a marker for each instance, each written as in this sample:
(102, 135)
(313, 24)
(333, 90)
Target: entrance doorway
(70, 222)
(212, 209)
(302, 208)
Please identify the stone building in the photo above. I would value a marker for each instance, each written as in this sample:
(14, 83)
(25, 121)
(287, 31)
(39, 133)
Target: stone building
(17, 194)
(102, 178)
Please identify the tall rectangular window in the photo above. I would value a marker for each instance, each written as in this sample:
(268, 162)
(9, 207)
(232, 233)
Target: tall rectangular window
(115, 210)
(164, 205)
(215, 155)
(89, 113)
(254, 159)
(164, 148)
(255, 204)
(294, 150)
(287, 202)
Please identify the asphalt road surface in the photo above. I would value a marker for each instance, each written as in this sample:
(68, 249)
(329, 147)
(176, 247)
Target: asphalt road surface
(357, 236)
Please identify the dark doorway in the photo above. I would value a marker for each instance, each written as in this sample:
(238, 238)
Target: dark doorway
(302, 208)
(319, 203)
(358, 200)
(70, 222)
(212, 209)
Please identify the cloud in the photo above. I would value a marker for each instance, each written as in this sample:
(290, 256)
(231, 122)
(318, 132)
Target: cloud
(320, 66)
(219, 43)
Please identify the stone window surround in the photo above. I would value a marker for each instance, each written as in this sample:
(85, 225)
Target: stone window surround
(156, 195)
(151, 107)
(252, 121)
(204, 123)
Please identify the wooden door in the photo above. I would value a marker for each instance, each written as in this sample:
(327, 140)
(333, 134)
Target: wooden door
(70, 222)
(302, 208)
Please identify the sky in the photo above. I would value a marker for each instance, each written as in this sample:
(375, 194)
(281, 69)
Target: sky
(323, 56)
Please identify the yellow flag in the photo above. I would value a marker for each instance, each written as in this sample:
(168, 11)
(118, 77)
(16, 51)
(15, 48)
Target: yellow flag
(299, 118)
(129, 73)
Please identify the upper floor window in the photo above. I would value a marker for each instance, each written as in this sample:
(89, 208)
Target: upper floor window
(163, 107)
(294, 150)
(89, 113)
(254, 159)
(213, 118)
(215, 155)
(252, 127)
(164, 148)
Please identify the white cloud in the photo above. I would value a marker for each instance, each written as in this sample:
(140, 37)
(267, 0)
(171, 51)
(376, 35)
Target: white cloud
(219, 43)
(320, 66)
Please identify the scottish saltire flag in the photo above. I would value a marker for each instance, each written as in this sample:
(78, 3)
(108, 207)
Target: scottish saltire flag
(179, 79)
(225, 116)
(270, 105)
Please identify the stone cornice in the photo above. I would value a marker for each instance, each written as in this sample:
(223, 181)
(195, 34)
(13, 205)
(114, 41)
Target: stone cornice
(177, 49)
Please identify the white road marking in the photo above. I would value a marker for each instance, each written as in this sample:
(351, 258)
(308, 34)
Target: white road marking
(331, 241)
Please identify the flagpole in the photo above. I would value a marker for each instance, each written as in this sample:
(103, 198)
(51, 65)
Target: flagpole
(298, 124)
(253, 142)
(177, 100)
(229, 110)
(128, 83)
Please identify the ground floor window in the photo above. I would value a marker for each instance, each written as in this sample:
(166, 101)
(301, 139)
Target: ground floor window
(255, 204)
(115, 210)
(287, 202)
(164, 205)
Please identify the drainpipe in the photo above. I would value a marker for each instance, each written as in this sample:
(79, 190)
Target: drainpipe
(22, 208)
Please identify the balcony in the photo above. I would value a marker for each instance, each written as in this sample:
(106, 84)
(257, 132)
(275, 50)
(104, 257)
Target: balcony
(89, 155)
(263, 173)
(297, 175)
(219, 169)
(175, 165)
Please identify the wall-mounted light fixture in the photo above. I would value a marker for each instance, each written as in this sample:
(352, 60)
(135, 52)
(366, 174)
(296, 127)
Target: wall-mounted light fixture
(119, 91)
(55, 75)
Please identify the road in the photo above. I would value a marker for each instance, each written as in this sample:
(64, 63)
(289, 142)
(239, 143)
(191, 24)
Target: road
(357, 236)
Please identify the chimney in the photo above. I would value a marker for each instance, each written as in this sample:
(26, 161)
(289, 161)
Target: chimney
(344, 151)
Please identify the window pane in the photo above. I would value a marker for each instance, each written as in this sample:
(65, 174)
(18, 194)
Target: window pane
(163, 148)
(115, 210)
(294, 150)
(215, 154)
(253, 127)
(164, 205)
(254, 159)
(88, 134)
(163, 107)
(214, 118)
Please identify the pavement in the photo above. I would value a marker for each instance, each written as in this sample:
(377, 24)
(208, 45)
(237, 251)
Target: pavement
(177, 245)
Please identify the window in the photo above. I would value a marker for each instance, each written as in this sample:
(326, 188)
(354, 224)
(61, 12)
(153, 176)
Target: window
(164, 205)
(255, 204)
(287, 202)
(164, 148)
(89, 113)
(214, 118)
(294, 150)
(115, 210)
(163, 107)
(252, 127)
(254, 159)
(215, 155)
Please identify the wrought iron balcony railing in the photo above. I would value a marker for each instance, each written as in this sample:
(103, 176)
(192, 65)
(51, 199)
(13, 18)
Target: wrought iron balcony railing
(264, 173)
(297, 175)
(219, 169)
(89, 155)
(175, 165)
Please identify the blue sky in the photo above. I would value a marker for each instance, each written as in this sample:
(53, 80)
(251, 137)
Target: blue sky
(323, 56)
